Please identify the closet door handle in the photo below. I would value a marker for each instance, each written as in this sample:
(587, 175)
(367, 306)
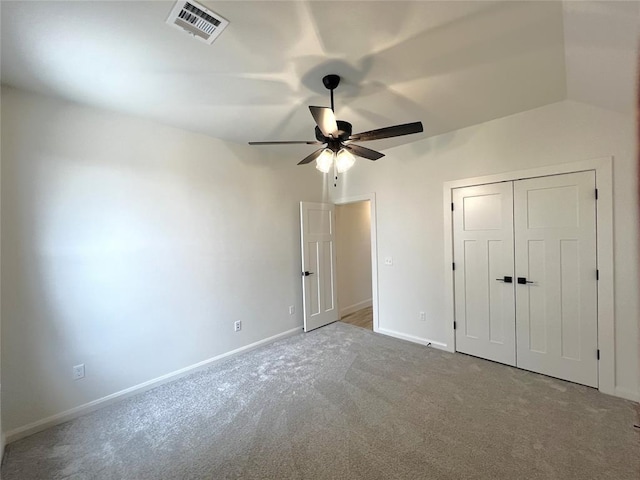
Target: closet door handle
(505, 279)
(524, 281)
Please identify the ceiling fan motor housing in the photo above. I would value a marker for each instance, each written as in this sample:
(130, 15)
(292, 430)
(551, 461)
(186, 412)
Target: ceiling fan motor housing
(343, 133)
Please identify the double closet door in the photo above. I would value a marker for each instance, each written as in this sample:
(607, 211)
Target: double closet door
(526, 272)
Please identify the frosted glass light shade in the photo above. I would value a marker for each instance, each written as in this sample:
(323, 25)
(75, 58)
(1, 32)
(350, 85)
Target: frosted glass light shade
(344, 160)
(325, 161)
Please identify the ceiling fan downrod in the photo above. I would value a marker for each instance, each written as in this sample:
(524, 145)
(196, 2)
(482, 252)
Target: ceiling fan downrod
(331, 82)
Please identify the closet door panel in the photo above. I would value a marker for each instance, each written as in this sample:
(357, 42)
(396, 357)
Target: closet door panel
(555, 254)
(483, 253)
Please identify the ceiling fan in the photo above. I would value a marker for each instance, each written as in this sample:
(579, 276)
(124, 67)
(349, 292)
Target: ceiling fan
(336, 136)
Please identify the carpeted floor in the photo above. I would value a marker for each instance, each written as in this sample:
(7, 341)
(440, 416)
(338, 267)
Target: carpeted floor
(342, 402)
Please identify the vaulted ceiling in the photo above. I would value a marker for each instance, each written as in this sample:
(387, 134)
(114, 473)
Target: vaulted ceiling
(449, 64)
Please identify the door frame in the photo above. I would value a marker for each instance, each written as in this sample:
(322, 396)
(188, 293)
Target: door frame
(603, 168)
(371, 197)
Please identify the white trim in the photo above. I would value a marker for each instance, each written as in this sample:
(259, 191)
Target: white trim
(37, 426)
(449, 289)
(557, 169)
(3, 440)
(414, 339)
(371, 197)
(627, 394)
(603, 168)
(355, 307)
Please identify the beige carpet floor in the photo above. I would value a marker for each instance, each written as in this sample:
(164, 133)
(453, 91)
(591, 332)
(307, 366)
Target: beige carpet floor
(342, 402)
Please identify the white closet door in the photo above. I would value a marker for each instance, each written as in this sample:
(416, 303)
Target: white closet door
(483, 253)
(555, 243)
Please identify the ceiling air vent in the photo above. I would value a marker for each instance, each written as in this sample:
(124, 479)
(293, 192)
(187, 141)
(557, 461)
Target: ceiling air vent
(198, 21)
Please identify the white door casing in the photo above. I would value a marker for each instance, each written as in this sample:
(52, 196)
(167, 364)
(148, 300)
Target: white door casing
(484, 260)
(317, 234)
(555, 238)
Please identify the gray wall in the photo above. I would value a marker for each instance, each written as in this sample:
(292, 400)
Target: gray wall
(353, 251)
(132, 247)
(408, 184)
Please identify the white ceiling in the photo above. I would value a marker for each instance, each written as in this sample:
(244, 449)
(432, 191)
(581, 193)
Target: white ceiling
(449, 64)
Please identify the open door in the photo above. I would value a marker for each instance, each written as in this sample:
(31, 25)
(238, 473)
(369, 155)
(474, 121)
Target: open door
(317, 233)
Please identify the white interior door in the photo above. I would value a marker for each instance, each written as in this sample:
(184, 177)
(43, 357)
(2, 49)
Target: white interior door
(484, 260)
(555, 242)
(317, 232)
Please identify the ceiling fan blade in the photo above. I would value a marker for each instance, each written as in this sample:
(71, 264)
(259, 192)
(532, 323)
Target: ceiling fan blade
(326, 121)
(311, 158)
(363, 152)
(387, 132)
(294, 142)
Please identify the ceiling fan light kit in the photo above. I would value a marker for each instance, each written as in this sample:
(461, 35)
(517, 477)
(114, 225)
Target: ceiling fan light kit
(324, 162)
(336, 135)
(344, 161)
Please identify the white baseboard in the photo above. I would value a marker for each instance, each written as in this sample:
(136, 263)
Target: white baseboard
(3, 440)
(618, 392)
(414, 339)
(355, 307)
(43, 424)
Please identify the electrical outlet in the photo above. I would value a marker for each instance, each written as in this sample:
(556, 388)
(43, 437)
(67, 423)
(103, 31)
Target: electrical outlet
(78, 371)
(292, 309)
(423, 317)
(388, 261)
(237, 326)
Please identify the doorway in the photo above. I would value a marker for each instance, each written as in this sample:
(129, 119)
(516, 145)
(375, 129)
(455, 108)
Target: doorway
(353, 260)
(370, 200)
(319, 263)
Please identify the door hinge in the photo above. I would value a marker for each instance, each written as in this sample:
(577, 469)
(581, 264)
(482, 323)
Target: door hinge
(596, 193)
(598, 354)
(597, 274)
(453, 266)
(454, 325)
(452, 206)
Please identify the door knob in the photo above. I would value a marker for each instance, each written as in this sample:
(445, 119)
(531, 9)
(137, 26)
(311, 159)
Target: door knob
(306, 274)
(505, 279)
(523, 280)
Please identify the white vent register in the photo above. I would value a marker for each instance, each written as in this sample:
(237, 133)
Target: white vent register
(196, 20)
